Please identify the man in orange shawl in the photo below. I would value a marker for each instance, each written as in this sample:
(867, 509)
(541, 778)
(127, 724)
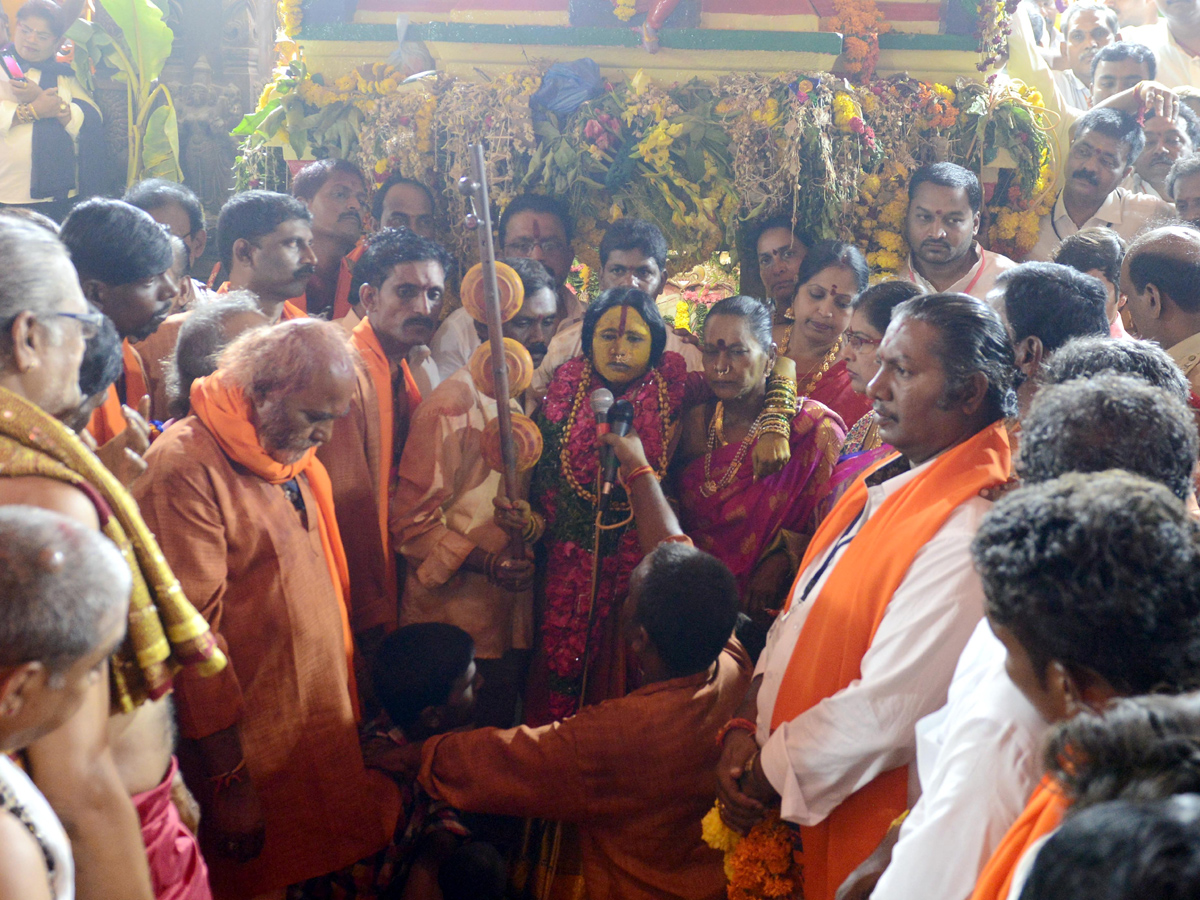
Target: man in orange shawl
(119, 743)
(124, 260)
(245, 512)
(266, 245)
(885, 600)
(1107, 607)
(404, 279)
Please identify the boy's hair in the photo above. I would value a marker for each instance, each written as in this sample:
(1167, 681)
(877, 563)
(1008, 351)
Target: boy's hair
(384, 250)
(1093, 249)
(635, 234)
(1053, 303)
(1086, 357)
(416, 667)
(1099, 572)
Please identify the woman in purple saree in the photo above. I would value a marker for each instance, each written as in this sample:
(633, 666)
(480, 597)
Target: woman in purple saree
(758, 528)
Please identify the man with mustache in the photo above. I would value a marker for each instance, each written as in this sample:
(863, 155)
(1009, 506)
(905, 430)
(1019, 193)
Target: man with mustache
(1183, 187)
(124, 260)
(1175, 40)
(1105, 144)
(944, 202)
(403, 284)
(533, 226)
(245, 511)
(460, 570)
(1167, 140)
(335, 192)
(266, 245)
(1086, 27)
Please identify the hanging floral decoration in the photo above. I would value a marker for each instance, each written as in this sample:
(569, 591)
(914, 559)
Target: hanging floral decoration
(698, 159)
(290, 14)
(860, 23)
(995, 25)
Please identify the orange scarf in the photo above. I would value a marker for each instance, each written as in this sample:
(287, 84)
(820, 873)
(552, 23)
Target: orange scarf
(107, 419)
(1042, 815)
(341, 296)
(845, 616)
(225, 411)
(290, 308)
(364, 340)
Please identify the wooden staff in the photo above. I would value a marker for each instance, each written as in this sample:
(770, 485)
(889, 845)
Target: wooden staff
(481, 220)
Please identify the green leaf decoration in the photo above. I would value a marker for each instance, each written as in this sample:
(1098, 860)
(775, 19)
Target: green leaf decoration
(160, 146)
(146, 35)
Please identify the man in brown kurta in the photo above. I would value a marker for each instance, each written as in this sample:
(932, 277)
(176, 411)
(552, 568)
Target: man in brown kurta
(403, 277)
(245, 515)
(628, 772)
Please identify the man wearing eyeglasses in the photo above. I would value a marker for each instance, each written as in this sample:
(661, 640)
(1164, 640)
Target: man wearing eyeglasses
(50, 132)
(124, 261)
(1103, 150)
(533, 226)
(100, 770)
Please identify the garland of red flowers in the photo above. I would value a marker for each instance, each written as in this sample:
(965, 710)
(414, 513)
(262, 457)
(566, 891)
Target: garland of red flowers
(570, 517)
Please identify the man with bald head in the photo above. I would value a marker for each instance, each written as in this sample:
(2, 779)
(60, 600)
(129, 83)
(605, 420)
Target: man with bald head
(246, 515)
(1161, 277)
(66, 595)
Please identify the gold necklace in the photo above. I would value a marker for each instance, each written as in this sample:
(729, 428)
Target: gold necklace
(710, 487)
(817, 372)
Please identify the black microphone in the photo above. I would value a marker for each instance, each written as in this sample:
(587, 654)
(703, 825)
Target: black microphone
(620, 418)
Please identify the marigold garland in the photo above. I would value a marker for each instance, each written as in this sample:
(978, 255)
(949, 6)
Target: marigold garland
(290, 13)
(761, 865)
(697, 159)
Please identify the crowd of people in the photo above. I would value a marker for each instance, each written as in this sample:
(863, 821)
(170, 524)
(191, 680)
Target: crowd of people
(912, 567)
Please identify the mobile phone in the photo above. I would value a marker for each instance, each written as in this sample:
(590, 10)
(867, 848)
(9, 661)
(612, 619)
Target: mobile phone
(12, 68)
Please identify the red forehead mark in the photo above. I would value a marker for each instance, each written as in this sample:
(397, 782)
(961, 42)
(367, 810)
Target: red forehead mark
(537, 230)
(621, 324)
(721, 345)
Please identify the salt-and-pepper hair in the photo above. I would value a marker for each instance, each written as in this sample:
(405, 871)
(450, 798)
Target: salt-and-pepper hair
(29, 257)
(64, 585)
(271, 362)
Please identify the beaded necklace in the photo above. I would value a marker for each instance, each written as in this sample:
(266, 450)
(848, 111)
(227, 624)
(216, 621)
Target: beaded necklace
(582, 392)
(809, 385)
(710, 487)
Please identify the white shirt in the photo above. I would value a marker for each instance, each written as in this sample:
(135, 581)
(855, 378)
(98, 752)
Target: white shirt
(980, 279)
(824, 755)
(1073, 91)
(978, 758)
(1135, 184)
(568, 343)
(1124, 212)
(16, 151)
(1176, 67)
(53, 838)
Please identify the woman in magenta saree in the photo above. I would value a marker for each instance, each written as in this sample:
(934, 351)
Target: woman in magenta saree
(872, 311)
(758, 528)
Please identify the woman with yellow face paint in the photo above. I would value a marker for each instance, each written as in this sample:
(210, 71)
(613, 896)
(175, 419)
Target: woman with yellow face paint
(623, 350)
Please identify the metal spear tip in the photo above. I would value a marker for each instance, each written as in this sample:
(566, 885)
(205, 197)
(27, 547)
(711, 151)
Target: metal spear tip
(467, 187)
(471, 221)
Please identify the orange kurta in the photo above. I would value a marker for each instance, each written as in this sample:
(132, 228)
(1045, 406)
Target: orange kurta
(360, 460)
(292, 309)
(257, 571)
(157, 352)
(843, 620)
(108, 420)
(636, 774)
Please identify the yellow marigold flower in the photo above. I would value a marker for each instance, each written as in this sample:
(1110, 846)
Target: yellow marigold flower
(640, 82)
(871, 184)
(715, 832)
(381, 167)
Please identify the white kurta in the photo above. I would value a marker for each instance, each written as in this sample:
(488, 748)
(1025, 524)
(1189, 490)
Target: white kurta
(980, 279)
(53, 839)
(843, 743)
(1176, 67)
(978, 758)
(1124, 212)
